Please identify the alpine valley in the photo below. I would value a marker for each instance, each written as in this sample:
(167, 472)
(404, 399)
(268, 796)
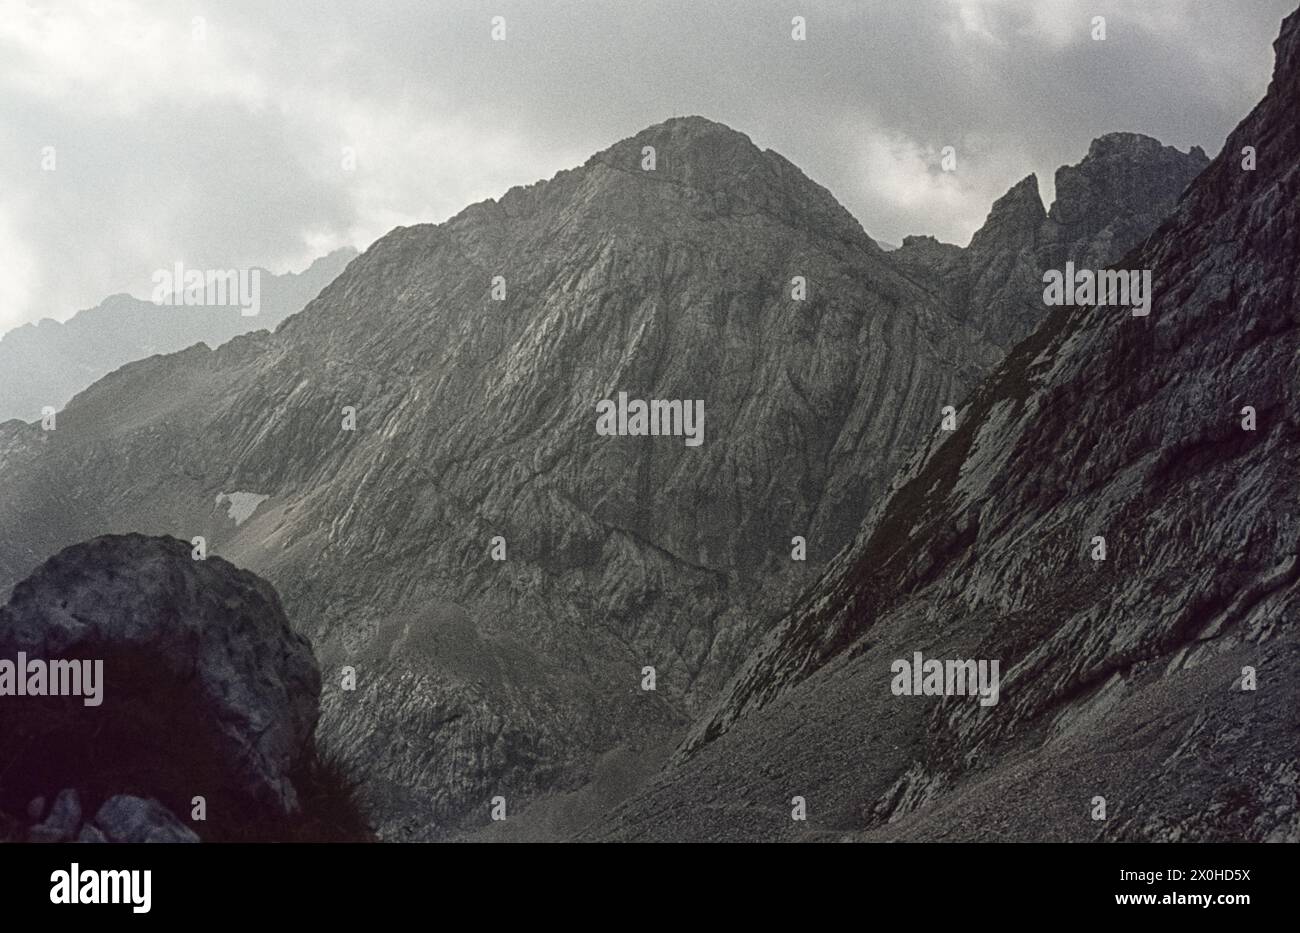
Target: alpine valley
(516, 668)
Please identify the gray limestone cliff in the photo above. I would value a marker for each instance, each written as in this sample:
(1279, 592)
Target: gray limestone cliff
(1105, 205)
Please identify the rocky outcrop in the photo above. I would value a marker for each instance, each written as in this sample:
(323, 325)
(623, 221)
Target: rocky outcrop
(1121, 191)
(1148, 691)
(1105, 205)
(61, 823)
(190, 683)
(133, 819)
(120, 819)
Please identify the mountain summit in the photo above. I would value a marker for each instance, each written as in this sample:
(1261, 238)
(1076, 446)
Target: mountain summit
(1105, 205)
(725, 166)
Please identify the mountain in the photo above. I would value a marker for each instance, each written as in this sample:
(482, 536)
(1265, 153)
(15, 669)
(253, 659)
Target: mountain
(472, 355)
(47, 363)
(1105, 205)
(1158, 682)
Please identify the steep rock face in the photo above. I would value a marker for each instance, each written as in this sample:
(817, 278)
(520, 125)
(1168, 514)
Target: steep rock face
(203, 687)
(1124, 678)
(47, 363)
(1115, 197)
(1107, 204)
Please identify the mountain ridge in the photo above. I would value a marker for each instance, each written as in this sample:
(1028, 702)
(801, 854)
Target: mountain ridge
(45, 363)
(1091, 222)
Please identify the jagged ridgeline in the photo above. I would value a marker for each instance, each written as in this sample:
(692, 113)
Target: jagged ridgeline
(413, 460)
(1114, 520)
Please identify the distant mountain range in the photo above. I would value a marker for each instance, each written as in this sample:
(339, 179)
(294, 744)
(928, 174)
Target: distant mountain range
(47, 363)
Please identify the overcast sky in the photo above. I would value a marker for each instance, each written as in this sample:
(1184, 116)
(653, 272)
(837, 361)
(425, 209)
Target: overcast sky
(220, 143)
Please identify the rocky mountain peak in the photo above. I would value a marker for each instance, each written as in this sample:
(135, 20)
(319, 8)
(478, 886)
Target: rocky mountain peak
(1119, 178)
(693, 151)
(1286, 48)
(725, 167)
(1014, 220)
(1105, 205)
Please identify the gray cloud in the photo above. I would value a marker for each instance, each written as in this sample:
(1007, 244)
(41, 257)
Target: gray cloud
(226, 149)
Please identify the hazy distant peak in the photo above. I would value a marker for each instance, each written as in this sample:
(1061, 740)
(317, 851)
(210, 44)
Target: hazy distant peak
(46, 364)
(335, 259)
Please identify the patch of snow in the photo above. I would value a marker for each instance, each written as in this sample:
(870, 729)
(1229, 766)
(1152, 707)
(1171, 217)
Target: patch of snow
(240, 505)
